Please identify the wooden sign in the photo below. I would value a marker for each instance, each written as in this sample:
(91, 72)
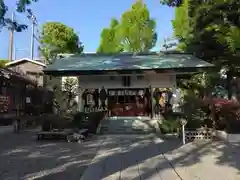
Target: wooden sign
(4, 103)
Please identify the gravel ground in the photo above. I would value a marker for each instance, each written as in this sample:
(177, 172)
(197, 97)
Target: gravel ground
(22, 157)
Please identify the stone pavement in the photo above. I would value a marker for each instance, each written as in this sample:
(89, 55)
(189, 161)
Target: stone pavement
(116, 157)
(206, 160)
(131, 157)
(148, 157)
(6, 129)
(24, 158)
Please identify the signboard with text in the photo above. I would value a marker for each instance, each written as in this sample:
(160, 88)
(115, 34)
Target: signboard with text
(4, 104)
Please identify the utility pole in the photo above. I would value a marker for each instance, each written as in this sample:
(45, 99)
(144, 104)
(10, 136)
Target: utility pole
(32, 41)
(33, 19)
(165, 44)
(11, 35)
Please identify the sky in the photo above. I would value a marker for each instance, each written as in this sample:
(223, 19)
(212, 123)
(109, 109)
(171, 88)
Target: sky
(87, 18)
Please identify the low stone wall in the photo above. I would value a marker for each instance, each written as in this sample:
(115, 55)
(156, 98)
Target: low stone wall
(232, 138)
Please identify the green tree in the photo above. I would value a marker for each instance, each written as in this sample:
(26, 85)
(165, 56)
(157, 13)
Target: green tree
(3, 62)
(137, 29)
(20, 7)
(110, 39)
(70, 87)
(58, 38)
(210, 30)
(181, 26)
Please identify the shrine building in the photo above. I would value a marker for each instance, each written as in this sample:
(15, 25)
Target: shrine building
(127, 84)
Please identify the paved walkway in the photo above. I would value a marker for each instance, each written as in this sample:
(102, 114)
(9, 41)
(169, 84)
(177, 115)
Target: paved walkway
(121, 157)
(9, 129)
(6, 129)
(24, 158)
(131, 157)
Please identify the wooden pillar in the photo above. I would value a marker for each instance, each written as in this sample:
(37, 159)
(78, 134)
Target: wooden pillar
(174, 100)
(152, 104)
(80, 100)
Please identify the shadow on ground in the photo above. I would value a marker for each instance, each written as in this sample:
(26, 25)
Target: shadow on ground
(190, 160)
(22, 157)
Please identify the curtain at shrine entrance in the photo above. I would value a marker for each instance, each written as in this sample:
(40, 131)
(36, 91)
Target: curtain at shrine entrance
(129, 102)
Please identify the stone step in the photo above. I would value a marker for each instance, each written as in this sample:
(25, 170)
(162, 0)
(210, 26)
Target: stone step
(128, 125)
(127, 130)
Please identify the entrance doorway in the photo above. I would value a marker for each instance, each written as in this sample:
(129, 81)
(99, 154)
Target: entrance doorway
(129, 102)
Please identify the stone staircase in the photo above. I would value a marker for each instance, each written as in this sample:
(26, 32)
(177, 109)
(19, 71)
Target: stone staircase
(128, 125)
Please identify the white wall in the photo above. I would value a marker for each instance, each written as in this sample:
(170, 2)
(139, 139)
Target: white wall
(156, 80)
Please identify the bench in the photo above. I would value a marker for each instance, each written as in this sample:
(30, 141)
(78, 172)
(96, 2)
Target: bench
(68, 135)
(55, 134)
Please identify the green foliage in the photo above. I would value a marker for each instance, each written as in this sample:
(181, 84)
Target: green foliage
(70, 87)
(208, 29)
(3, 62)
(211, 31)
(231, 37)
(201, 83)
(110, 39)
(138, 29)
(49, 122)
(79, 120)
(169, 126)
(194, 110)
(58, 38)
(136, 32)
(181, 25)
(7, 22)
(89, 121)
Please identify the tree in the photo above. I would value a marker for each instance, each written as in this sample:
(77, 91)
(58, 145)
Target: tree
(181, 26)
(7, 22)
(210, 30)
(65, 95)
(137, 29)
(110, 39)
(70, 87)
(209, 23)
(58, 38)
(3, 62)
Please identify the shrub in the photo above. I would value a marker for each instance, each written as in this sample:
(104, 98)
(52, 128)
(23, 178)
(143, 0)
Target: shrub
(89, 120)
(227, 115)
(50, 122)
(79, 120)
(94, 120)
(196, 112)
(169, 126)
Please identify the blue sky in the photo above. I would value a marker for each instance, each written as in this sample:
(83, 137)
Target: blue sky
(88, 18)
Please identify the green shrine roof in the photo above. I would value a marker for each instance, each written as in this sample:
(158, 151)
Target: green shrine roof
(125, 62)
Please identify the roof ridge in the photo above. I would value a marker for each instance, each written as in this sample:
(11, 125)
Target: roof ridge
(25, 59)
